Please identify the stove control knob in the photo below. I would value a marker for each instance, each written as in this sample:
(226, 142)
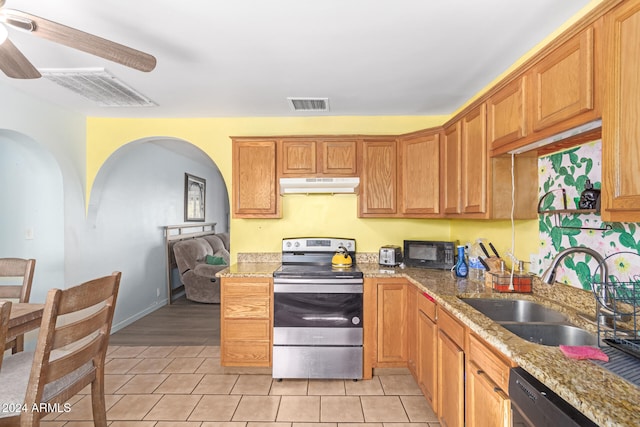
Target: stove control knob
(355, 320)
(297, 244)
(288, 244)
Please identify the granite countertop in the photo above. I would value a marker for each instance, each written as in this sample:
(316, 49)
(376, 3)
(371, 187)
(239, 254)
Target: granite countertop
(601, 395)
(250, 269)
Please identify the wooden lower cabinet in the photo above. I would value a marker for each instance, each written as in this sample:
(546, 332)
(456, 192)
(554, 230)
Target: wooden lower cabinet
(427, 337)
(392, 321)
(487, 399)
(450, 401)
(246, 321)
(487, 405)
(464, 379)
(413, 355)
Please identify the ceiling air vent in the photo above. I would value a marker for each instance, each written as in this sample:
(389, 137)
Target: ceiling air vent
(98, 85)
(309, 104)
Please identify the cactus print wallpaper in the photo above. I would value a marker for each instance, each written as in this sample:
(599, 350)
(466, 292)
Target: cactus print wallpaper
(618, 242)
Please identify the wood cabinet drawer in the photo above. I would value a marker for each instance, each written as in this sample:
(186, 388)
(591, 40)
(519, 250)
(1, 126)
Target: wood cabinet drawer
(246, 289)
(450, 326)
(247, 329)
(489, 362)
(242, 307)
(246, 299)
(246, 353)
(427, 306)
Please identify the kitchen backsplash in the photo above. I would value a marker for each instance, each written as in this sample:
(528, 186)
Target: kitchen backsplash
(570, 170)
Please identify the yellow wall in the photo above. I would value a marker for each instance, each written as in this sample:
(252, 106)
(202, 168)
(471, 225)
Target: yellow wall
(314, 215)
(500, 234)
(302, 215)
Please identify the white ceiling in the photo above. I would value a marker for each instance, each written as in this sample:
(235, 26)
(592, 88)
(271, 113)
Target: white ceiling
(242, 58)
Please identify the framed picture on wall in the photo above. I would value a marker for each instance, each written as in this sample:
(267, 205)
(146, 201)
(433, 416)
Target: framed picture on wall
(194, 197)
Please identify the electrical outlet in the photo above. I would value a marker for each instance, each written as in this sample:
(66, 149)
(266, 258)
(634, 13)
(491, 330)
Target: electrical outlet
(157, 292)
(29, 234)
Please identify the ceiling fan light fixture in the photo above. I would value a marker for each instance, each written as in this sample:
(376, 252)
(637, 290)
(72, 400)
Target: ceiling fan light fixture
(97, 85)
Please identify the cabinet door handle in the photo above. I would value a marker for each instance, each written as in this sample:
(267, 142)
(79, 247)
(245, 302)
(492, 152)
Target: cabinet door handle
(490, 382)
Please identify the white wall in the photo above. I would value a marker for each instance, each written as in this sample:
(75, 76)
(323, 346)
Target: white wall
(42, 147)
(44, 134)
(138, 191)
(31, 209)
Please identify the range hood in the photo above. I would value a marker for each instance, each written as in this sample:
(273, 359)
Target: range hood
(319, 185)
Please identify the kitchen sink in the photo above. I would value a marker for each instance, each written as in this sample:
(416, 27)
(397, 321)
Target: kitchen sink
(553, 334)
(515, 310)
(532, 321)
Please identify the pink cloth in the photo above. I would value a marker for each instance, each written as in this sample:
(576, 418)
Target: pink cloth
(583, 352)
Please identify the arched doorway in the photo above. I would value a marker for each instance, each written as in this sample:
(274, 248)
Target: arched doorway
(137, 192)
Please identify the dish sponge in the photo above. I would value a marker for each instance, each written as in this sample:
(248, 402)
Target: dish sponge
(584, 352)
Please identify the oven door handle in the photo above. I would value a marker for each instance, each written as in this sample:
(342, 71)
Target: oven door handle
(306, 280)
(314, 288)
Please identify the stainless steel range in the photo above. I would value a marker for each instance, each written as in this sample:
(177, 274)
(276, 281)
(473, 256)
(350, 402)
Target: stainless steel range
(317, 311)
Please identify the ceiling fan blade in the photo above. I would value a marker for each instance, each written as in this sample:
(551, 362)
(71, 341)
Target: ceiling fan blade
(14, 64)
(79, 40)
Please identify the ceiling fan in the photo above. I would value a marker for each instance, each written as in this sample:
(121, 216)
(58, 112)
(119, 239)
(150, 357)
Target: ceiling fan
(15, 65)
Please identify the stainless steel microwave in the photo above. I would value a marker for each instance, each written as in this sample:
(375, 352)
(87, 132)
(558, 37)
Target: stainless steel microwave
(429, 254)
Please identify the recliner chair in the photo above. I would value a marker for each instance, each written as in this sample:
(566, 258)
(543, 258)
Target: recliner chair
(198, 276)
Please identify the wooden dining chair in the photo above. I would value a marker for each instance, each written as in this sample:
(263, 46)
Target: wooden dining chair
(17, 268)
(5, 311)
(69, 355)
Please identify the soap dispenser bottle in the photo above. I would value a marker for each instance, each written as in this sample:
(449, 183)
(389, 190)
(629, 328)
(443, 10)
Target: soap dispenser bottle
(461, 267)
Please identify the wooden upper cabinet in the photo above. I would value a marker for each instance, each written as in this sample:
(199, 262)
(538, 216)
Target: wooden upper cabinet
(378, 177)
(450, 169)
(621, 127)
(477, 186)
(419, 175)
(474, 162)
(298, 157)
(254, 185)
(562, 83)
(506, 114)
(318, 157)
(338, 157)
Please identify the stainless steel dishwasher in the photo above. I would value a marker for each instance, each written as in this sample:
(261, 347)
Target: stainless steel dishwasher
(534, 405)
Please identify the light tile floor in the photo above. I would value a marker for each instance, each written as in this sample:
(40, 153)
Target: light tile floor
(187, 387)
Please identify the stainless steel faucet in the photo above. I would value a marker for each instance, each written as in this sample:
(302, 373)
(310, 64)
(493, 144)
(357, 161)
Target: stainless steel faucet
(604, 310)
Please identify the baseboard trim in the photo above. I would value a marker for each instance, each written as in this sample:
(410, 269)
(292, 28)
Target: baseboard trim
(126, 322)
